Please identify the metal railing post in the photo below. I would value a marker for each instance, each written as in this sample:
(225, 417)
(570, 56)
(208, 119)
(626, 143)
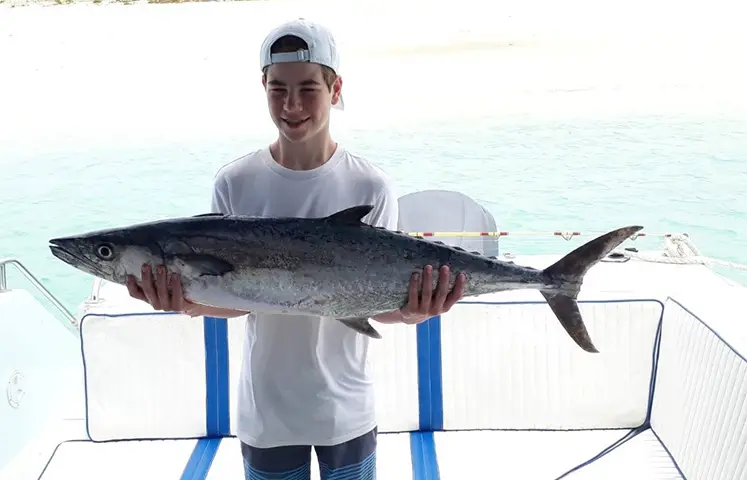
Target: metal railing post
(4, 262)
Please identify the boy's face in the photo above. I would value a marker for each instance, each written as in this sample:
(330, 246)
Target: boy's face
(299, 99)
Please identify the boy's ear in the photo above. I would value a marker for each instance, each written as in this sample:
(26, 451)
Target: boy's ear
(336, 90)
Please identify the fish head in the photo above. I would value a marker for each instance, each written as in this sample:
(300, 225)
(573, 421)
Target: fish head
(108, 254)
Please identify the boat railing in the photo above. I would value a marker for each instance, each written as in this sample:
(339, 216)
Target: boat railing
(5, 262)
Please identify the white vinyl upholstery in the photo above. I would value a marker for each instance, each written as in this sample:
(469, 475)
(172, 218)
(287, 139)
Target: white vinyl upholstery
(512, 366)
(700, 402)
(125, 460)
(547, 455)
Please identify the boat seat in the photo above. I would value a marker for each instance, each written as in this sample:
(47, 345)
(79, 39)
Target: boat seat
(181, 459)
(429, 211)
(460, 455)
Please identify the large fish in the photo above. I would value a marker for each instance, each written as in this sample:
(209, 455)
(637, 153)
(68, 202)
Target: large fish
(335, 266)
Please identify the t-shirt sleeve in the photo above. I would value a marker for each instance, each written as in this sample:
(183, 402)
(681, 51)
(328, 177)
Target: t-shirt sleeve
(386, 210)
(220, 203)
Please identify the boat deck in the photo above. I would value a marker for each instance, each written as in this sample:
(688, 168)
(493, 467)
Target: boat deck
(493, 389)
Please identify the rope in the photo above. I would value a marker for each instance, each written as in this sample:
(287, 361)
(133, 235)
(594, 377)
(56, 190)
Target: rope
(565, 235)
(680, 250)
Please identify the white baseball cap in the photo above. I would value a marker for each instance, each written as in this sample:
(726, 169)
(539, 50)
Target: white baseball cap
(322, 47)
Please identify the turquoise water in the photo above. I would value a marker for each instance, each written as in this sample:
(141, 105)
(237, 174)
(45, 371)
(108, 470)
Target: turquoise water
(101, 126)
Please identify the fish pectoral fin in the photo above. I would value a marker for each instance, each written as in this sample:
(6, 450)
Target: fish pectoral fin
(205, 264)
(350, 216)
(361, 325)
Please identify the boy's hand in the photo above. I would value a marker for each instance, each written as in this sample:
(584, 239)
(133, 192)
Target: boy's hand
(155, 291)
(167, 295)
(432, 303)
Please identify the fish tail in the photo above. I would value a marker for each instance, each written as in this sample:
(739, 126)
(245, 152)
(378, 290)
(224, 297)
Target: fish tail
(569, 272)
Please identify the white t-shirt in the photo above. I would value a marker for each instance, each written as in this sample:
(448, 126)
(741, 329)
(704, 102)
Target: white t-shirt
(305, 380)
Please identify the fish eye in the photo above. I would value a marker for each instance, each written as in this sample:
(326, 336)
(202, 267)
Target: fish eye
(105, 251)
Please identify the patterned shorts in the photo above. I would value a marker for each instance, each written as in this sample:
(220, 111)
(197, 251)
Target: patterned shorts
(352, 460)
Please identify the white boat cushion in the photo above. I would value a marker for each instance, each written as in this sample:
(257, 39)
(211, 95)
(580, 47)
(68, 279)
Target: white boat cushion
(167, 376)
(700, 402)
(403, 456)
(500, 365)
(509, 365)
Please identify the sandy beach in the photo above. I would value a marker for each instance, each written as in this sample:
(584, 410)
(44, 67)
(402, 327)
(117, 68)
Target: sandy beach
(402, 61)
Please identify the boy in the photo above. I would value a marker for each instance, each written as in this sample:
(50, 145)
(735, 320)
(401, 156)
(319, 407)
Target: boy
(304, 380)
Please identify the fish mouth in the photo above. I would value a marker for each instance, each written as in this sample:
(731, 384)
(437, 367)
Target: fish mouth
(57, 248)
(62, 253)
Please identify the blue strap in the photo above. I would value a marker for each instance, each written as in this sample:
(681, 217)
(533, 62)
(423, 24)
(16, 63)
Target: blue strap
(424, 459)
(430, 389)
(199, 462)
(430, 398)
(217, 399)
(217, 403)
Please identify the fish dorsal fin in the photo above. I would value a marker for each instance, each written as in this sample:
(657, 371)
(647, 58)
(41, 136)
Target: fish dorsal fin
(350, 216)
